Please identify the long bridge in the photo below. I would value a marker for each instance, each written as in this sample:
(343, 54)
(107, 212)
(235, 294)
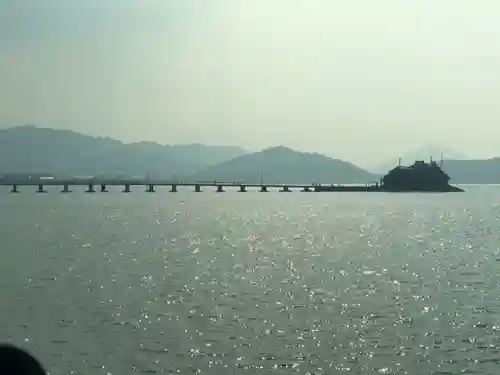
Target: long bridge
(94, 185)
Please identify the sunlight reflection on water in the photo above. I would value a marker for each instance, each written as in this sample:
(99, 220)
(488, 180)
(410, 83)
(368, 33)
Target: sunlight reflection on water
(253, 283)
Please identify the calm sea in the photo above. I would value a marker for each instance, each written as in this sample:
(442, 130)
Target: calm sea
(253, 283)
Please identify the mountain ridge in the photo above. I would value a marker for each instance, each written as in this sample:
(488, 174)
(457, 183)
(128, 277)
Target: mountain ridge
(285, 166)
(473, 171)
(423, 153)
(31, 149)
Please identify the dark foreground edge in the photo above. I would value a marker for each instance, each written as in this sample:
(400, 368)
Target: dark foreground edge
(15, 361)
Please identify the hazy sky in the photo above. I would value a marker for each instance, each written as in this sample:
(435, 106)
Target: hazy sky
(360, 80)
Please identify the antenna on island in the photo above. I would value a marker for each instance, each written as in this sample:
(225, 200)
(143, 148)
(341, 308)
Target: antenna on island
(399, 162)
(442, 160)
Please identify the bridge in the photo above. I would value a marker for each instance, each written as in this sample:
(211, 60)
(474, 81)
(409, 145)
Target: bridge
(94, 185)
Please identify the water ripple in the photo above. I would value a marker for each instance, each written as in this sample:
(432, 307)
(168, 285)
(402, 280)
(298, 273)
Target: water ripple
(310, 284)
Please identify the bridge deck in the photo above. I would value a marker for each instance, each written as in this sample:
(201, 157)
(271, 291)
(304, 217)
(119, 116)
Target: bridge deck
(148, 182)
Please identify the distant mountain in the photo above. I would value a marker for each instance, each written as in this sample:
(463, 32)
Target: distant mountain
(33, 150)
(473, 171)
(29, 149)
(423, 153)
(282, 165)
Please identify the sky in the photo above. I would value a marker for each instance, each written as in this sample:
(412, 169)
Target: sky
(362, 80)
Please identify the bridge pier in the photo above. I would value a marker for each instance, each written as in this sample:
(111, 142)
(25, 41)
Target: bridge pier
(90, 189)
(174, 188)
(14, 189)
(285, 189)
(243, 189)
(150, 188)
(41, 189)
(197, 188)
(104, 188)
(126, 189)
(306, 189)
(65, 189)
(263, 189)
(220, 188)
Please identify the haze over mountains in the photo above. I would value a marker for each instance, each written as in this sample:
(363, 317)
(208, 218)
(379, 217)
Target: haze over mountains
(32, 150)
(423, 153)
(473, 171)
(29, 149)
(282, 165)
(461, 168)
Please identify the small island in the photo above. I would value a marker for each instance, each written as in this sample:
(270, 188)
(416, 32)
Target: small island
(419, 177)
